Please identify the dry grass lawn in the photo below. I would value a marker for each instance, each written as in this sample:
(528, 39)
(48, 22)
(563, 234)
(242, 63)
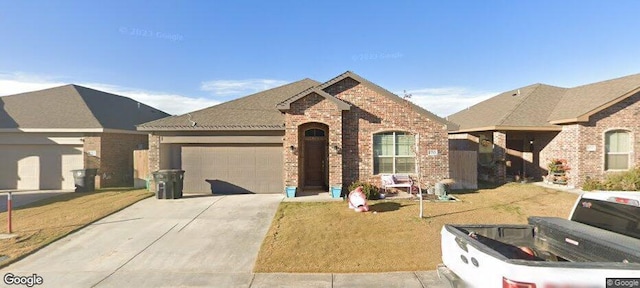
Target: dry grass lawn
(329, 237)
(42, 222)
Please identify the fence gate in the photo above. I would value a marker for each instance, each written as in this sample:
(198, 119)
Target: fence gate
(140, 168)
(463, 167)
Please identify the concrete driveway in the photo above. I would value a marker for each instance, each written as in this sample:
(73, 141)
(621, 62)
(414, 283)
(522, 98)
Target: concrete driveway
(200, 241)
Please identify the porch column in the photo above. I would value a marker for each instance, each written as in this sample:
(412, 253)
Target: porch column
(154, 158)
(335, 154)
(499, 153)
(290, 154)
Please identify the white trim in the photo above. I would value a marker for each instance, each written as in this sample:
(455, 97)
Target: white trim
(394, 156)
(628, 153)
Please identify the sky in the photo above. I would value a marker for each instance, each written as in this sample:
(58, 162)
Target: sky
(181, 56)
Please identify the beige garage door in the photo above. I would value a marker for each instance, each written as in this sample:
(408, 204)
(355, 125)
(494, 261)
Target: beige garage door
(34, 167)
(232, 169)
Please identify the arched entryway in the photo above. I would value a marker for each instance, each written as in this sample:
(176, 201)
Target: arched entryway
(314, 160)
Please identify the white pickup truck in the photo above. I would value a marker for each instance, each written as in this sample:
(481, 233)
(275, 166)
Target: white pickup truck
(599, 242)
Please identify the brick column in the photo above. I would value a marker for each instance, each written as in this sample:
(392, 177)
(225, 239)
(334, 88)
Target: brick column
(499, 154)
(291, 169)
(154, 158)
(335, 156)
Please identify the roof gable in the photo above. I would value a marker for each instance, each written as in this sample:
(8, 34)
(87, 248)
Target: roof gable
(579, 103)
(286, 105)
(387, 93)
(73, 107)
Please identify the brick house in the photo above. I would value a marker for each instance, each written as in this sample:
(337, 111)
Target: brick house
(305, 134)
(518, 133)
(45, 134)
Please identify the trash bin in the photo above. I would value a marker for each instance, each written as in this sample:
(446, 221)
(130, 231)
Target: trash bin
(441, 190)
(169, 183)
(85, 179)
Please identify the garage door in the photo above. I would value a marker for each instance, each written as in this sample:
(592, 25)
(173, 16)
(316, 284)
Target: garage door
(232, 169)
(33, 167)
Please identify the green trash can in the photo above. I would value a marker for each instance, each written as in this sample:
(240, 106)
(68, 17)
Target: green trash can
(169, 183)
(85, 179)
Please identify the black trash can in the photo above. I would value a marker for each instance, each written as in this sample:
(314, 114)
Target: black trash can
(179, 182)
(85, 179)
(169, 183)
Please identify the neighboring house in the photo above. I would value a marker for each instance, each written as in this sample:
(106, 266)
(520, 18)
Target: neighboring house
(305, 134)
(45, 134)
(594, 127)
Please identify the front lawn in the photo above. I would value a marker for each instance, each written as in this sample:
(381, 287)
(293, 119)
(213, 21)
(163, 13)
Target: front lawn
(39, 223)
(329, 237)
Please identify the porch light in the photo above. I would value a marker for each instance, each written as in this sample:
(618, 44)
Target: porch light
(292, 148)
(336, 149)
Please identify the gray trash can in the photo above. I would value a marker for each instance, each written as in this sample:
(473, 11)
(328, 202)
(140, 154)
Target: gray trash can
(441, 191)
(85, 179)
(169, 183)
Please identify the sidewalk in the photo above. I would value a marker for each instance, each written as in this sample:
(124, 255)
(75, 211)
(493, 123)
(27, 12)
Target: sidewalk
(422, 279)
(566, 188)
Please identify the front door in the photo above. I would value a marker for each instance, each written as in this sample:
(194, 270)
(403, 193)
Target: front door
(315, 161)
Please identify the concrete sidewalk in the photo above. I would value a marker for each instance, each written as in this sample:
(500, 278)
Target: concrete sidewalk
(210, 241)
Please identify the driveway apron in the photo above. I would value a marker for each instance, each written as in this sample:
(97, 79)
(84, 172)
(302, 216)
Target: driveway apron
(199, 241)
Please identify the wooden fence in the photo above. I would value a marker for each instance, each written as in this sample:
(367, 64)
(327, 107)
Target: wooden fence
(140, 168)
(463, 169)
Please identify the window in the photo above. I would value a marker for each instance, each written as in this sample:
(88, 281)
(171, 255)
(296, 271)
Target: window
(617, 150)
(314, 133)
(393, 152)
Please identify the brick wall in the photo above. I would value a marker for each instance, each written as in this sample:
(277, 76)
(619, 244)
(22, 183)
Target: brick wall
(116, 158)
(564, 146)
(625, 115)
(572, 142)
(373, 113)
(113, 157)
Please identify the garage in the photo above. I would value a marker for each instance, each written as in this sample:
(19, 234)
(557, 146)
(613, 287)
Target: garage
(237, 168)
(34, 167)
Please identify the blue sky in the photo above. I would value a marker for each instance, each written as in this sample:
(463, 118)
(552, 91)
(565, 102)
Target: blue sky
(181, 56)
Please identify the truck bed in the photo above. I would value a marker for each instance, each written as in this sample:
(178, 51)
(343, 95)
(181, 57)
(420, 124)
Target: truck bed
(551, 240)
(578, 242)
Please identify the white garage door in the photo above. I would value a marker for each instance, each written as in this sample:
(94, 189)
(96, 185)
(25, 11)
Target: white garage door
(34, 167)
(232, 169)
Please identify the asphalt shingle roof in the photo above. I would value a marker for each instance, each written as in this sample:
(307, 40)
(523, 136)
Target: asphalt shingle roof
(540, 106)
(73, 107)
(254, 112)
(260, 111)
(525, 106)
(584, 99)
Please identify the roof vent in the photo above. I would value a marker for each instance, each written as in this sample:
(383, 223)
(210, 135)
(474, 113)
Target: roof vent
(517, 93)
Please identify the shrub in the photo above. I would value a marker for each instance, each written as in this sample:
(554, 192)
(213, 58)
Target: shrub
(592, 184)
(623, 181)
(370, 190)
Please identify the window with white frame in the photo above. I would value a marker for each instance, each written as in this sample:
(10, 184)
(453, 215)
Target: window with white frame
(393, 152)
(617, 150)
